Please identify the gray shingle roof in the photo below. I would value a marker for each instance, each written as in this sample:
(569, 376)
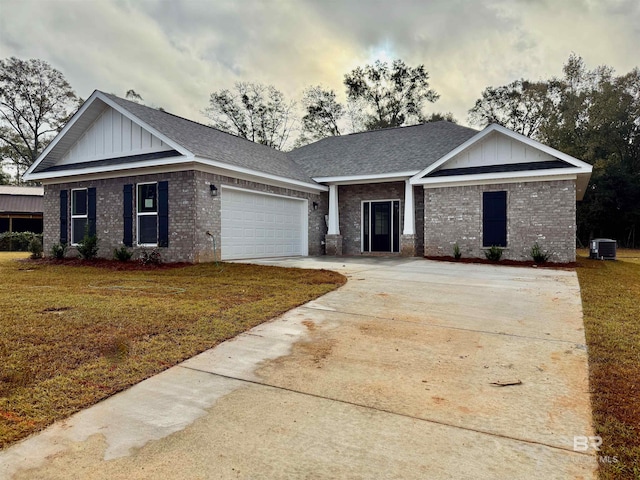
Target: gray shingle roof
(390, 150)
(214, 144)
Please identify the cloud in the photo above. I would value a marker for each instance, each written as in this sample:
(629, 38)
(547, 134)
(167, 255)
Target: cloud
(176, 52)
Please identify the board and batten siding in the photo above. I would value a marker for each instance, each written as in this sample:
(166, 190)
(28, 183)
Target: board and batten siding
(497, 149)
(112, 135)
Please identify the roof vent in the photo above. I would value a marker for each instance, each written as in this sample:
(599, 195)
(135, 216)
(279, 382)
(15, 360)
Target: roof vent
(603, 249)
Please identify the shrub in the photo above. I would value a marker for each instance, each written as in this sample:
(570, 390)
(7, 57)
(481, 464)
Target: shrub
(151, 257)
(17, 241)
(59, 250)
(494, 253)
(35, 247)
(538, 255)
(88, 246)
(456, 251)
(122, 254)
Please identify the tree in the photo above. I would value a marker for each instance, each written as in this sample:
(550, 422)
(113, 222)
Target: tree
(256, 112)
(35, 103)
(594, 116)
(521, 106)
(393, 95)
(323, 114)
(440, 117)
(134, 96)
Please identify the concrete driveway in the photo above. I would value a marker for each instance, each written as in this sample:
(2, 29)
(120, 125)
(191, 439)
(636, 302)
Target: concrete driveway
(413, 369)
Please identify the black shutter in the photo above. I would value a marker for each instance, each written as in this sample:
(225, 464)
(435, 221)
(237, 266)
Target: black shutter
(163, 214)
(64, 220)
(494, 219)
(91, 210)
(128, 216)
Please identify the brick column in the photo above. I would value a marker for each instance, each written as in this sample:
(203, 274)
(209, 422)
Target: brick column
(408, 245)
(333, 244)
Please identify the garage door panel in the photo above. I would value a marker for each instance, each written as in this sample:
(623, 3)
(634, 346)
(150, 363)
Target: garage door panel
(257, 225)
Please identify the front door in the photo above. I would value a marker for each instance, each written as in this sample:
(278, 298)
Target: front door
(380, 226)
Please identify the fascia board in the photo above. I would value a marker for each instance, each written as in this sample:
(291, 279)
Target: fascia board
(178, 163)
(111, 168)
(351, 179)
(551, 174)
(257, 176)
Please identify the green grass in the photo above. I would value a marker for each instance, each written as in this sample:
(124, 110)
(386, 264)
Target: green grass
(611, 304)
(71, 335)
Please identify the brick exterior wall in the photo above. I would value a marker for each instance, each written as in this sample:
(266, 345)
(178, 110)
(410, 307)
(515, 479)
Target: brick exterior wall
(542, 212)
(350, 198)
(192, 212)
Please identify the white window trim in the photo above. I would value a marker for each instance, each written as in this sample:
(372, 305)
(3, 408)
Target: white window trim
(73, 217)
(362, 202)
(145, 214)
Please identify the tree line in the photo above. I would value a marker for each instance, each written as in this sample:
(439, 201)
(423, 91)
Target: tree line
(592, 115)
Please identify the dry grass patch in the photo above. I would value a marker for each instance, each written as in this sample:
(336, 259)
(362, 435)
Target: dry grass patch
(71, 335)
(611, 304)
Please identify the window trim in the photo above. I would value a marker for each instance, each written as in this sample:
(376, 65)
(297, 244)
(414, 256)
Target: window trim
(145, 214)
(75, 216)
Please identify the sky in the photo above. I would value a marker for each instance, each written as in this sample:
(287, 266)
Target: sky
(175, 53)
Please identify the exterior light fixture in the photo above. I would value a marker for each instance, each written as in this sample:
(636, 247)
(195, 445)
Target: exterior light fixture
(214, 190)
(315, 205)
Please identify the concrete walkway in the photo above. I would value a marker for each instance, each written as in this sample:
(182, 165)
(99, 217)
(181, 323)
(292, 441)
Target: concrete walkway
(395, 375)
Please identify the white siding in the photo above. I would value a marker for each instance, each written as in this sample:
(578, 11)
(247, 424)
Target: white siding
(112, 135)
(497, 149)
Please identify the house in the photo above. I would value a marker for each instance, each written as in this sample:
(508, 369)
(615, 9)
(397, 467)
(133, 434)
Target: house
(143, 178)
(21, 209)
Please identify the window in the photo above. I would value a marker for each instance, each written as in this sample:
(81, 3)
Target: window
(147, 201)
(79, 214)
(494, 219)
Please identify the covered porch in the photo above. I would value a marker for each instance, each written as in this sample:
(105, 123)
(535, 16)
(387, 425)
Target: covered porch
(375, 217)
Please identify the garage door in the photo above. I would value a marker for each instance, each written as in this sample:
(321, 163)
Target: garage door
(258, 225)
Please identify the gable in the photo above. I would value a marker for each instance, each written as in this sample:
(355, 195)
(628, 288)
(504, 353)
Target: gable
(112, 135)
(499, 155)
(496, 149)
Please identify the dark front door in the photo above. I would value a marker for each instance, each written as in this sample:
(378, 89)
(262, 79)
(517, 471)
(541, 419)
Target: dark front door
(381, 226)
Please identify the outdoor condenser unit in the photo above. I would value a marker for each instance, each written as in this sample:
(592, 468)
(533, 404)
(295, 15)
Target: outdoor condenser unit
(603, 249)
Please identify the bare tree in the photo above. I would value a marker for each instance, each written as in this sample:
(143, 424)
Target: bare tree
(257, 112)
(35, 103)
(394, 95)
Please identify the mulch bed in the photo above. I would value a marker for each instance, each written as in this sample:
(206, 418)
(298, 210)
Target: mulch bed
(107, 264)
(509, 263)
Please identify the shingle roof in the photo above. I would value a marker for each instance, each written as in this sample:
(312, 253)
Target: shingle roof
(214, 144)
(392, 150)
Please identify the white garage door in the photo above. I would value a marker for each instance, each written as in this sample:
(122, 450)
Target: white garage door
(258, 225)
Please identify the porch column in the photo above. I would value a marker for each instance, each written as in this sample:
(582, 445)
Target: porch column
(334, 220)
(333, 239)
(409, 210)
(408, 238)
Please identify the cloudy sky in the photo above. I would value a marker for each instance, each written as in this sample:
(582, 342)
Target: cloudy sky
(176, 52)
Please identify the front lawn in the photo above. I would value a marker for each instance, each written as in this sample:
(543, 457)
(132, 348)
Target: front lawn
(71, 335)
(611, 305)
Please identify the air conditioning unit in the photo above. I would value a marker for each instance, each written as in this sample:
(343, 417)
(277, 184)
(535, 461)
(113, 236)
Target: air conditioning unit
(603, 249)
